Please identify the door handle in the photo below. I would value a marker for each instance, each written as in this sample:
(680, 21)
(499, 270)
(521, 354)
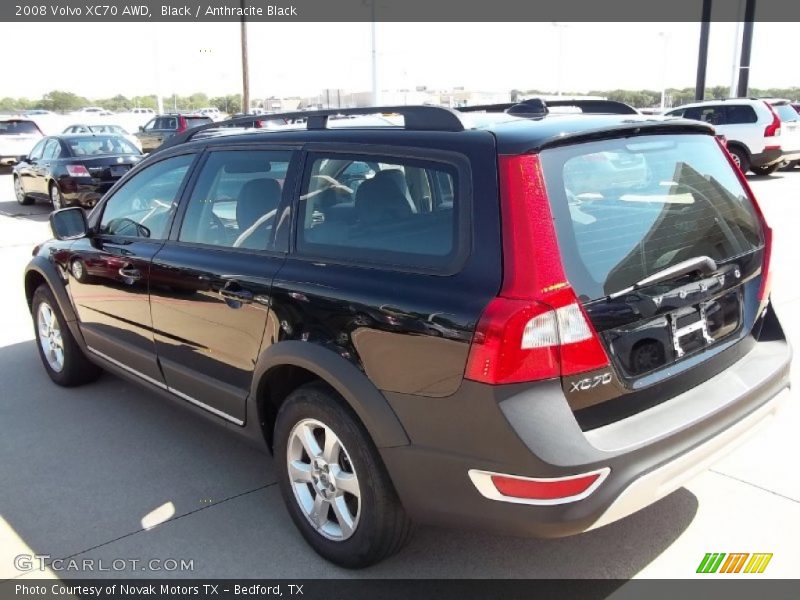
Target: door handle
(235, 298)
(130, 274)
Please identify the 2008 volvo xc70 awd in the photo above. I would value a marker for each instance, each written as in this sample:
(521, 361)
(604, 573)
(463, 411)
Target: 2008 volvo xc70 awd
(510, 318)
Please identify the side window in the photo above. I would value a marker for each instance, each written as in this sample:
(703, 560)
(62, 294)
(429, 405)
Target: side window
(235, 201)
(740, 114)
(166, 123)
(714, 115)
(52, 150)
(38, 149)
(143, 206)
(402, 212)
(150, 125)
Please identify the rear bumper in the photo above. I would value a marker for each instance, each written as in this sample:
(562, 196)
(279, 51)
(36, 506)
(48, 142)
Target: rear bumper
(791, 155)
(531, 432)
(766, 158)
(85, 195)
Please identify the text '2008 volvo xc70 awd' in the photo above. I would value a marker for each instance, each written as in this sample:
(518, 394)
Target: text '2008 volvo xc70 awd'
(509, 317)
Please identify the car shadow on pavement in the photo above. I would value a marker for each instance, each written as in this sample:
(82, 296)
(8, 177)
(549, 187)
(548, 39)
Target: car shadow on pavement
(84, 466)
(39, 211)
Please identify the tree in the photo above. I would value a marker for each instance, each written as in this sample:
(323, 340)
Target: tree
(63, 101)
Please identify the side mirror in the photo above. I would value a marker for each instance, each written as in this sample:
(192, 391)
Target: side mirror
(69, 223)
(141, 127)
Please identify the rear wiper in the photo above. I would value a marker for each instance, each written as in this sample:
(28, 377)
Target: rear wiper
(702, 264)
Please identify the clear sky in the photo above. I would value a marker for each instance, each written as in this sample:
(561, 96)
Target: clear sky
(99, 60)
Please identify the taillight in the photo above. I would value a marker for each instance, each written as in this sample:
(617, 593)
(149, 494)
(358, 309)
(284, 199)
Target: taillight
(536, 328)
(182, 123)
(774, 128)
(78, 171)
(766, 276)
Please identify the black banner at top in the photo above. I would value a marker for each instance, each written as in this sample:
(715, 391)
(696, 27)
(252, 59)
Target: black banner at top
(389, 10)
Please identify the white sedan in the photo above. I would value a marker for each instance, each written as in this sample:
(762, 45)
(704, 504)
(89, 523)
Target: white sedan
(17, 138)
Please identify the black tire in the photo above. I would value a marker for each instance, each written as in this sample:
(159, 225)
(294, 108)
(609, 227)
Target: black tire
(76, 369)
(382, 527)
(764, 171)
(740, 157)
(22, 197)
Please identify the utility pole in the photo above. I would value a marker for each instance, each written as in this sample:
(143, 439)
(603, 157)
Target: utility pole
(245, 68)
(747, 45)
(702, 56)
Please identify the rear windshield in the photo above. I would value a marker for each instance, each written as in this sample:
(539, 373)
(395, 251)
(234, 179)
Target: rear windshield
(195, 121)
(18, 127)
(625, 209)
(785, 112)
(100, 145)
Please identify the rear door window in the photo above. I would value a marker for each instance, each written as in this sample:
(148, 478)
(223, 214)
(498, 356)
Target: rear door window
(626, 209)
(385, 210)
(739, 114)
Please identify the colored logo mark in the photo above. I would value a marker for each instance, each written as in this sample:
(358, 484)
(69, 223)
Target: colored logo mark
(737, 562)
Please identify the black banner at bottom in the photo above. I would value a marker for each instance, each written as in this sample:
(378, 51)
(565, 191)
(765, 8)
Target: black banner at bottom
(380, 589)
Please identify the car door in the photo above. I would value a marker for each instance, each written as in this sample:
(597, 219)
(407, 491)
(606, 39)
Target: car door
(150, 136)
(210, 283)
(109, 271)
(41, 170)
(27, 171)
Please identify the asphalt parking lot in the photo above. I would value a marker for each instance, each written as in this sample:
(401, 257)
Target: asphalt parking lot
(85, 470)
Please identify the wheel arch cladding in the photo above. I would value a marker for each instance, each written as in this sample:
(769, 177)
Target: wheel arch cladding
(42, 271)
(283, 367)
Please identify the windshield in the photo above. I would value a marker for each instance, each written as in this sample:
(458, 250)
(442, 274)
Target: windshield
(625, 209)
(100, 145)
(18, 128)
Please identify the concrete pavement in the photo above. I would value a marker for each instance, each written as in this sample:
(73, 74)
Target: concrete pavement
(86, 470)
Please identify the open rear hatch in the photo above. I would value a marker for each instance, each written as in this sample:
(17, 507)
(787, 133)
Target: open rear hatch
(665, 248)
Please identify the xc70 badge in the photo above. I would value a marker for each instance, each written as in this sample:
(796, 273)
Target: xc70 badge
(589, 383)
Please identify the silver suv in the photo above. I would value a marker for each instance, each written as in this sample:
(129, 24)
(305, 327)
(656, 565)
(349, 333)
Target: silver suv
(760, 137)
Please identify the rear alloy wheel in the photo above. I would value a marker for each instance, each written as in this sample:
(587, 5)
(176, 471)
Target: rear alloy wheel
(763, 171)
(333, 481)
(22, 197)
(739, 156)
(61, 356)
(55, 197)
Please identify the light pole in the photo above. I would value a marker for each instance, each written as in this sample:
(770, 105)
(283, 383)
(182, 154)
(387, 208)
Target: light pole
(665, 36)
(560, 27)
(245, 68)
(375, 90)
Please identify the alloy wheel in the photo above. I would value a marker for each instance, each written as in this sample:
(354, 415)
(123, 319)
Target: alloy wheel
(323, 479)
(50, 338)
(18, 191)
(55, 197)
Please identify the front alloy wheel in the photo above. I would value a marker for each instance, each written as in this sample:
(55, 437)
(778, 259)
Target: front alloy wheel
(19, 192)
(324, 482)
(50, 337)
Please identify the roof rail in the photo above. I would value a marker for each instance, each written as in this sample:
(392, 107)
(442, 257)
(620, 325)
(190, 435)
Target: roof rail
(538, 107)
(417, 118)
